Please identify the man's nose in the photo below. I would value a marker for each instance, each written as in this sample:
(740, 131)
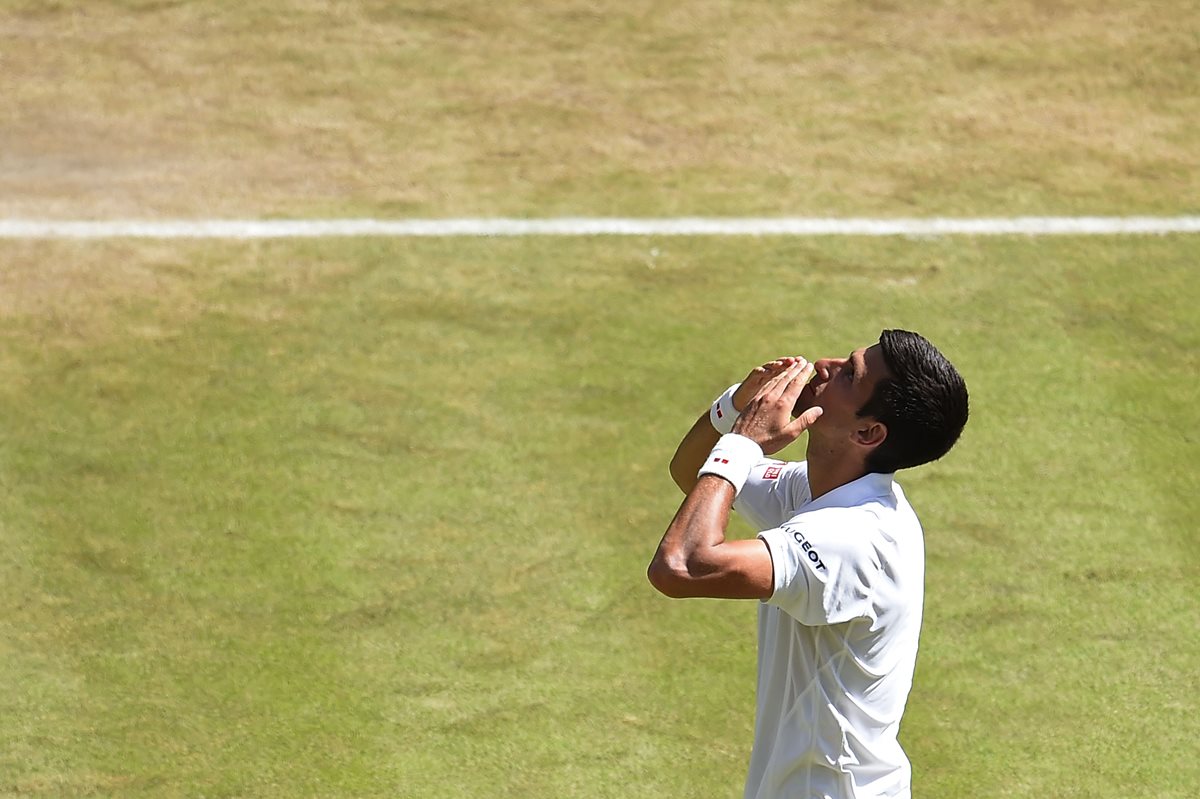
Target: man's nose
(827, 366)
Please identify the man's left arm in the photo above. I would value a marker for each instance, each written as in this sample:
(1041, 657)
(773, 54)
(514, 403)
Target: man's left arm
(694, 559)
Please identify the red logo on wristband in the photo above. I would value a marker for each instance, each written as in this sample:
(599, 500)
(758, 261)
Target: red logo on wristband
(720, 460)
(719, 414)
(772, 472)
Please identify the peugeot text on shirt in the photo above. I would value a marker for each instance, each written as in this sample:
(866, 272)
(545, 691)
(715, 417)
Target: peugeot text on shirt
(810, 553)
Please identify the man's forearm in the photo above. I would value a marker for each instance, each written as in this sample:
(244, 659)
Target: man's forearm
(692, 452)
(699, 524)
(693, 557)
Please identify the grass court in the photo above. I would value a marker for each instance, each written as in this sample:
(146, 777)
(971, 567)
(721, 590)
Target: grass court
(370, 517)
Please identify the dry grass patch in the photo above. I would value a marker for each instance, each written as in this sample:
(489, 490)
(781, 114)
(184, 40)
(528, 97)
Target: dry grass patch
(467, 108)
(83, 291)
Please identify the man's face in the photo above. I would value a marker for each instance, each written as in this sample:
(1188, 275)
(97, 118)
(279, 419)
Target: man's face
(841, 386)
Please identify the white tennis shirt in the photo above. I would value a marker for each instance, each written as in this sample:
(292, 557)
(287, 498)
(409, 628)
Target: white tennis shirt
(837, 641)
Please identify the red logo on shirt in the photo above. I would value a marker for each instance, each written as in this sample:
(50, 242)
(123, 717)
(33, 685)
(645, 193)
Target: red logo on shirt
(772, 472)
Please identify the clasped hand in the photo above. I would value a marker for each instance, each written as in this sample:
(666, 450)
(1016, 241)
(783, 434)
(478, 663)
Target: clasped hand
(766, 400)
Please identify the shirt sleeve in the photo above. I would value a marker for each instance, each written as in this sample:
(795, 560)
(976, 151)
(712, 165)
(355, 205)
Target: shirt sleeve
(769, 496)
(824, 568)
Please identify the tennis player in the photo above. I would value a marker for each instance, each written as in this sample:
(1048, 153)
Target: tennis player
(839, 562)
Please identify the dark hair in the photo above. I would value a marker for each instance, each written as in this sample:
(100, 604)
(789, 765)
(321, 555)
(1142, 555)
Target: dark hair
(923, 403)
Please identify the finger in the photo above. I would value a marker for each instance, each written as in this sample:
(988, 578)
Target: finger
(805, 420)
(802, 369)
(777, 365)
(798, 382)
(779, 384)
(780, 378)
(753, 385)
(768, 369)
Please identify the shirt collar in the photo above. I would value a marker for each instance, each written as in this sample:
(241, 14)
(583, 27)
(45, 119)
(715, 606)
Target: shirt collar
(856, 492)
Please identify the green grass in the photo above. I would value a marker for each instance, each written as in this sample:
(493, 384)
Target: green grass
(370, 518)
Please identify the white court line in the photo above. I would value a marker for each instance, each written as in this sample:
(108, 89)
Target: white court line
(593, 226)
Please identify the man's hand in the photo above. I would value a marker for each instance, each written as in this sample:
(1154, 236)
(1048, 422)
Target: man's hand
(767, 418)
(759, 378)
(695, 446)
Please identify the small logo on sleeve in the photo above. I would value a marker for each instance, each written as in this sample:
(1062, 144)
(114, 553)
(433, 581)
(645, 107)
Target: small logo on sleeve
(772, 472)
(809, 551)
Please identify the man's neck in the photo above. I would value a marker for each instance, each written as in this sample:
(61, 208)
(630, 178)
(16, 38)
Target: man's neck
(829, 469)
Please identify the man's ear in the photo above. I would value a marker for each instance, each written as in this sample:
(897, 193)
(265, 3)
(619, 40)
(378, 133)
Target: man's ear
(870, 434)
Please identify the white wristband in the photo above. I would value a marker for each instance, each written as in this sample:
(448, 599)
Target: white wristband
(722, 414)
(733, 458)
